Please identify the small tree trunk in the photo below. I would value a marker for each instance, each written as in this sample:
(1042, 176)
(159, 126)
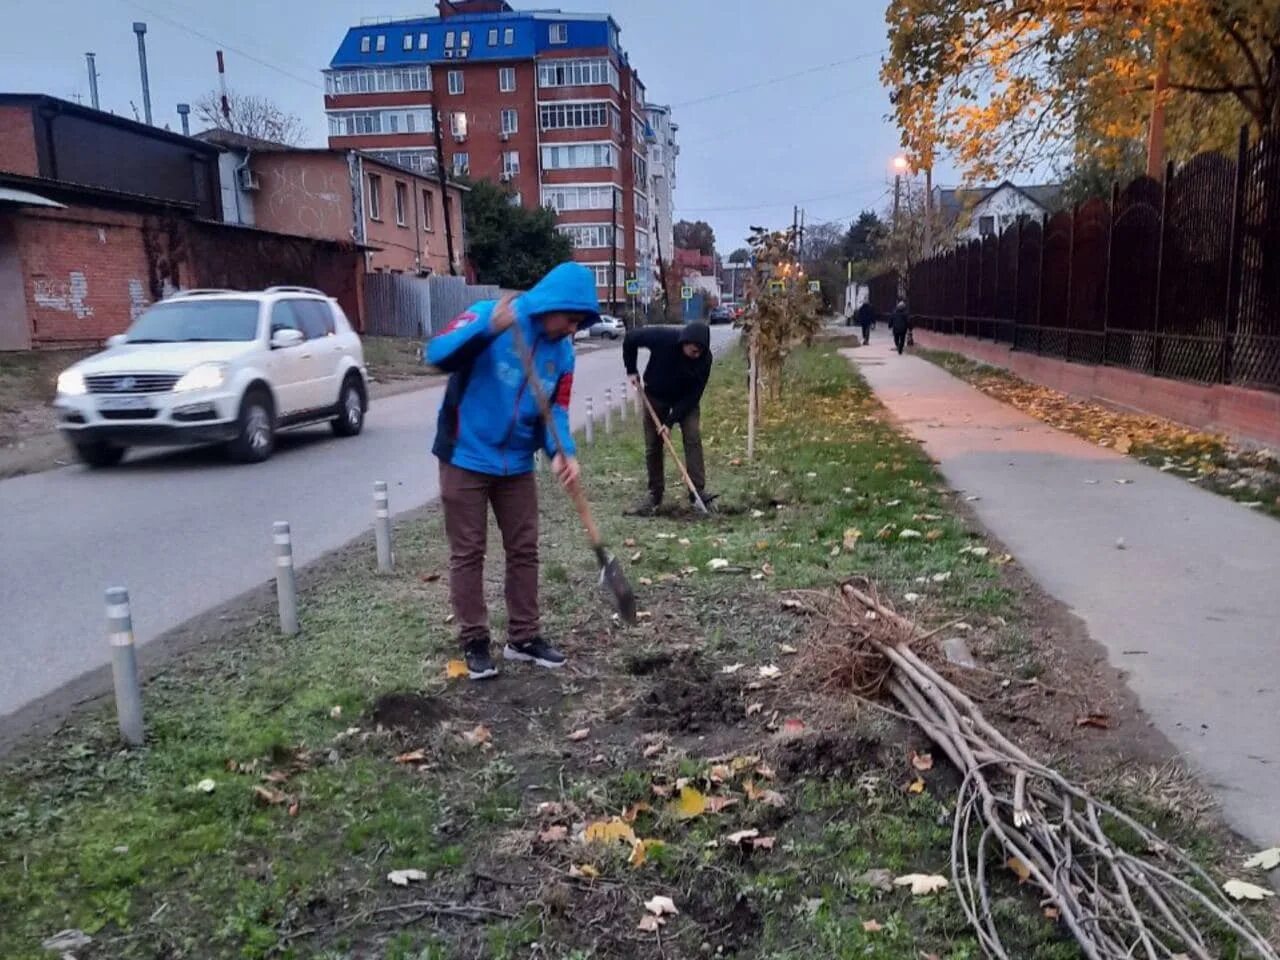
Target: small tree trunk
(753, 387)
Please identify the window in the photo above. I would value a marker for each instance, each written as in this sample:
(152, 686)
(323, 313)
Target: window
(419, 161)
(559, 33)
(510, 162)
(375, 197)
(509, 36)
(575, 116)
(408, 41)
(510, 120)
(987, 226)
(365, 41)
(466, 39)
(422, 40)
(285, 315)
(506, 79)
(587, 197)
(601, 271)
(378, 80)
(402, 202)
(578, 155)
(428, 204)
(588, 236)
(448, 40)
(382, 42)
(313, 318)
(461, 164)
(576, 73)
(515, 198)
(641, 168)
(455, 82)
(348, 123)
(493, 37)
(642, 207)
(458, 124)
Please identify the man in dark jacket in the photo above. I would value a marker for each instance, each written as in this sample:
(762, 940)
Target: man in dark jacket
(866, 319)
(677, 372)
(900, 323)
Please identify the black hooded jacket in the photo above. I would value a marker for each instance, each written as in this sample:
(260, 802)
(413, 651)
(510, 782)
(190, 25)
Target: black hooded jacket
(670, 376)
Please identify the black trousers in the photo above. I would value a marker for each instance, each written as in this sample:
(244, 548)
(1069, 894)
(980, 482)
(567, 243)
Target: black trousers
(654, 449)
(899, 339)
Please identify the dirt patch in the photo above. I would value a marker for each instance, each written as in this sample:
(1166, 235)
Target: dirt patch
(645, 663)
(410, 713)
(827, 756)
(688, 704)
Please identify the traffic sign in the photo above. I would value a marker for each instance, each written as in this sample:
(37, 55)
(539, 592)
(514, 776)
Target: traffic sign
(686, 293)
(633, 287)
(815, 286)
(777, 286)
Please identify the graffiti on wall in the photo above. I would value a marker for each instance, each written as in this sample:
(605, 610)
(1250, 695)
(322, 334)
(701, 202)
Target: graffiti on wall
(66, 297)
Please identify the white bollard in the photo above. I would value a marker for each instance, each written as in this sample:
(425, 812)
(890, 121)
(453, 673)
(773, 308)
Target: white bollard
(608, 410)
(286, 585)
(382, 527)
(124, 667)
(591, 421)
(626, 404)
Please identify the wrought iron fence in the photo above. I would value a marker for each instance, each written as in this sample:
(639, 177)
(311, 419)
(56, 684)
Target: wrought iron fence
(1179, 278)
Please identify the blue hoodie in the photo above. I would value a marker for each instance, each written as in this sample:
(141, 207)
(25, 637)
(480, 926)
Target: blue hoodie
(489, 421)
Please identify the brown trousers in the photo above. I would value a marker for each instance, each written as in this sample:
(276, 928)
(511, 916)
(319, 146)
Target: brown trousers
(467, 497)
(654, 449)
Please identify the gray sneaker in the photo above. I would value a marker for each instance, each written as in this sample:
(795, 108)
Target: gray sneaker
(646, 506)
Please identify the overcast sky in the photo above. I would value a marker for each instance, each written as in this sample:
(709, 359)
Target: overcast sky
(778, 101)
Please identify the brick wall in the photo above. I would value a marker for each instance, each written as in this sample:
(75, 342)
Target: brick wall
(17, 142)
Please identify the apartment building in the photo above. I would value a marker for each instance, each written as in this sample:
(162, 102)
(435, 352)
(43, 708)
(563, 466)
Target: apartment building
(543, 101)
(663, 151)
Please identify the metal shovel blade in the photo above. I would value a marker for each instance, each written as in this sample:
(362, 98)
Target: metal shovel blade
(615, 585)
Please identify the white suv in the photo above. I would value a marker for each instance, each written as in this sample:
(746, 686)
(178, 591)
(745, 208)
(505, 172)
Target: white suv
(217, 366)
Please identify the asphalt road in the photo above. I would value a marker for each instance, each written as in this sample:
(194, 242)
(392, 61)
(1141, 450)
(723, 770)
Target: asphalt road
(187, 531)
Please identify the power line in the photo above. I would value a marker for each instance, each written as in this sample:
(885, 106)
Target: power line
(778, 79)
(790, 201)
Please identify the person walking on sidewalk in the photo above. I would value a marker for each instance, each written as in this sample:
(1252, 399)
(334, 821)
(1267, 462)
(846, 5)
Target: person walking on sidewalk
(900, 323)
(488, 429)
(866, 319)
(674, 378)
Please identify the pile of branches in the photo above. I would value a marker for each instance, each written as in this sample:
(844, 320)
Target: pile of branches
(1120, 890)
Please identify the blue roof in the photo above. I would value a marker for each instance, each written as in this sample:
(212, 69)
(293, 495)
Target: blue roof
(531, 36)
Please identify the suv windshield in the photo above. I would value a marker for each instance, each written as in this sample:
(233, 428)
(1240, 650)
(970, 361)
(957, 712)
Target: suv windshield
(186, 321)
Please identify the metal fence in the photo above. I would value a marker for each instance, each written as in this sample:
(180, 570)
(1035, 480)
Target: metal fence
(1176, 279)
(397, 305)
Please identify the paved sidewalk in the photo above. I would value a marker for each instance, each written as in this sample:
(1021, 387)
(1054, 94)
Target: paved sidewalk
(1197, 587)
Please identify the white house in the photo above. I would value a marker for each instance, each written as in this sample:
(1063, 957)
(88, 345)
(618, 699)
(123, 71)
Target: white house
(983, 211)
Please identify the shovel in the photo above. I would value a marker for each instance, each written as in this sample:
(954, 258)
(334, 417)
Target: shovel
(612, 579)
(671, 448)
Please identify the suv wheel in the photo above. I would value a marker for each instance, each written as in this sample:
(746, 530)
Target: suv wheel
(256, 438)
(98, 455)
(350, 419)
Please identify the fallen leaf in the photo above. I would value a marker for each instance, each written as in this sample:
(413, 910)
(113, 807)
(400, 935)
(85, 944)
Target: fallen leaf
(661, 906)
(909, 535)
(740, 836)
(942, 577)
(793, 727)
(553, 834)
(871, 926)
(270, 796)
(1052, 913)
(922, 761)
(877, 879)
(550, 809)
(455, 669)
(1123, 445)
(683, 541)
(578, 735)
(413, 756)
(206, 786)
(911, 597)
(717, 563)
(979, 551)
(586, 871)
(613, 830)
(633, 811)
(660, 791)
(916, 786)
(770, 672)
(765, 771)
(718, 804)
(732, 668)
(770, 798)
(653, 750)
(719, 773)
(1099, 720)
(1240, 890)
(402, 878)
(629, 542)
(786, 649)
(335, 712)
(754, 708)
(429, 577)
(763, 843)
(64, 941)
(1265, 860)
(640, 851)
(934, 534)
(691, 803)
(635, 557)
(479, 736)
(649, 923)
(922, 884)
(1020, 869)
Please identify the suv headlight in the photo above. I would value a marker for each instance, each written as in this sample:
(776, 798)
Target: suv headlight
(71, 384)
(204, 377)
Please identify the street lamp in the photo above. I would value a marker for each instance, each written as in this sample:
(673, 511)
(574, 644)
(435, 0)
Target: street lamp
(900, 166)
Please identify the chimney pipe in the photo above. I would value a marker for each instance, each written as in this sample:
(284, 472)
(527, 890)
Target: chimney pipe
(222, 86)
(140, 29)
(184, 111)
(93, 79)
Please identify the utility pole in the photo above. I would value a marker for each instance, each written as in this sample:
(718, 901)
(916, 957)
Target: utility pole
(184, 111)
(795, 228)
(613, 258)
(222, 90)
(443, 180)
(1155, 136)
(140, 29)
(928, 210)
(897, 199)
(662, 269)
(801, 257)
(91, 61)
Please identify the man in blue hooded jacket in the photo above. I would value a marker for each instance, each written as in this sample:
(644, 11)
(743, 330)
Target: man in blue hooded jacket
(488, 430)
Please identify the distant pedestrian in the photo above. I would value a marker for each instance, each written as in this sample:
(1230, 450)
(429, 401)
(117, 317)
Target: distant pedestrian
(900, 323)
(866, 318)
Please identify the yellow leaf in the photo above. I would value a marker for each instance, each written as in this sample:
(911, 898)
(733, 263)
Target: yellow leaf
(1020, 869)
(478, 737)
(613, 830)
(640, 851)
(691, 803)
(455, 669)
(934, 534)
(633, 811)
(586, 871)
(851, 538)
(916, 786)
(1124, 445)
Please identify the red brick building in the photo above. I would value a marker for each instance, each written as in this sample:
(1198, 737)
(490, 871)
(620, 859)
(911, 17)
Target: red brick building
(544, 101)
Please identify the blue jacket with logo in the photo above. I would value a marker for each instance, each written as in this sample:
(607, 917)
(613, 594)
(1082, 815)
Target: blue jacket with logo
(489, 421)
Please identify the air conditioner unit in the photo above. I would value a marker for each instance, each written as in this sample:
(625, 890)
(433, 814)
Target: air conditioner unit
(504, 136)
(246, 179)
(506, 176)
(462, 54)
(460, 137)
(448, 54)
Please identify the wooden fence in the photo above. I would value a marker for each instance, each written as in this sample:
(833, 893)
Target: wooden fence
(397, 305)
(1179, 278)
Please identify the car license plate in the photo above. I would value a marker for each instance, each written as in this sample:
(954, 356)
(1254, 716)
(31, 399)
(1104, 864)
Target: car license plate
(124, 403)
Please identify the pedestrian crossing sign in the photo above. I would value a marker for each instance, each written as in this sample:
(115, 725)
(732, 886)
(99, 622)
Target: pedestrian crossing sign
(815, 286)
(686, 293)
(633, 287)
(776, 286)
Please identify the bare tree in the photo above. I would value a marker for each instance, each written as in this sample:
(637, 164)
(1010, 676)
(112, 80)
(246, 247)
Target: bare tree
(251, 115)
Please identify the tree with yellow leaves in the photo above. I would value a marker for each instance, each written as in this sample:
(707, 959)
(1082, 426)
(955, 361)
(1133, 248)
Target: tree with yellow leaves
(1008, 84)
